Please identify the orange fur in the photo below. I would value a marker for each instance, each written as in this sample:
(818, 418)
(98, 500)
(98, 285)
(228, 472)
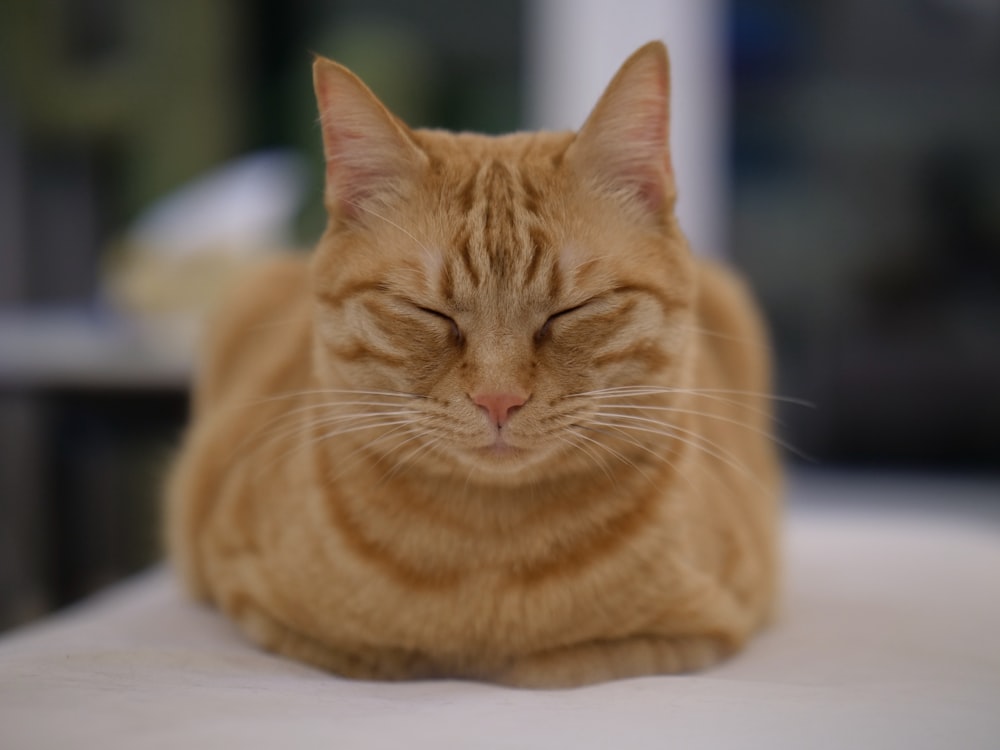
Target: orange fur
(344, 495)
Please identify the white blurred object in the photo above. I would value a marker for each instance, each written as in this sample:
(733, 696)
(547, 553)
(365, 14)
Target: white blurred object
(183, 253)
(575, 47)
(243, 207)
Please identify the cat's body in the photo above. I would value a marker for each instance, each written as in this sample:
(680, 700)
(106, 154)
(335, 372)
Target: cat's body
(502, 425)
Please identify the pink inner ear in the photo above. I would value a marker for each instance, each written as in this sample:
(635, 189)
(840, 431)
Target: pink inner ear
(626, 140)
(651, 168)
(349, 178)
(646, 169)
(650, 186)
(366, 155)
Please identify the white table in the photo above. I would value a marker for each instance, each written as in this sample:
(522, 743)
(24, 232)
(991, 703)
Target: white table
(890, 639)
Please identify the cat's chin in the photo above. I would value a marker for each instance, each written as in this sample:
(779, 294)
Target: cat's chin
(497, 463)
(503, 459)
(502, 464)
(501, 450)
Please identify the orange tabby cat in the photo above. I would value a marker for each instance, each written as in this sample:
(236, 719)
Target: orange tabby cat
(501, 426)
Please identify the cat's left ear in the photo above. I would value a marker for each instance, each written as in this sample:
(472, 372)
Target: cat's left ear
(624, 146)
(370, 156)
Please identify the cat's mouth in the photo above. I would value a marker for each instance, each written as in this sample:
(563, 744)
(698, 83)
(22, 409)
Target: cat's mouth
(499, 452)
(500, 448)
(504, 458)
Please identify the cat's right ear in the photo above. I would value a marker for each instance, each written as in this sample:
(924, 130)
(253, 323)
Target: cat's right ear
(370, 156)
(624, 146)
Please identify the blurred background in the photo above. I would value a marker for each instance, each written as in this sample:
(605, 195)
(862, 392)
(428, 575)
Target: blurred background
(845, 154)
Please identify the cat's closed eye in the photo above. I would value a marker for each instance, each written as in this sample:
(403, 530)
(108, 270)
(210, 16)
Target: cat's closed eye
(545, 331)
(456, 333)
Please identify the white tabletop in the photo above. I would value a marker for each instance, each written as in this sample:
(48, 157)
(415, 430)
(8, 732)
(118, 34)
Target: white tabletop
(888, 640)
(90, 348)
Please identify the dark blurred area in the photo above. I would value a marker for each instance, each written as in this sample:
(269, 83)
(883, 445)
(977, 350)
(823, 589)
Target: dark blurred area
(865, 208)
(866, 179)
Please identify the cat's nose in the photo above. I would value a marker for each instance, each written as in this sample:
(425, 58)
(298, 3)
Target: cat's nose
(499, 406)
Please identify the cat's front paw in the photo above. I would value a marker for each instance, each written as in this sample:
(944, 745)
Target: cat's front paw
(599, 661)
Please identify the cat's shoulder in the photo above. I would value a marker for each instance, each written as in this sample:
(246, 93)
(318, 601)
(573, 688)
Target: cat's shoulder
(261, 289)
(722, 290)
(730, 325)
(271, 279)
(264, 313)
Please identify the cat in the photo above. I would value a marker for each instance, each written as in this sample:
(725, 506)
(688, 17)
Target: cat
(502, 425)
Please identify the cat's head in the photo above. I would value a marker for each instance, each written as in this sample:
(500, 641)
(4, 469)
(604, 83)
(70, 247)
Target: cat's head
(500, 281)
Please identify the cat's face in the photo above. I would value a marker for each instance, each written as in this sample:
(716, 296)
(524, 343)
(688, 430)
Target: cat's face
(481, 290)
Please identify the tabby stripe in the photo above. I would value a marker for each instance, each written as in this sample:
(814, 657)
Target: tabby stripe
(359, 351)
(446, 287)
(531, 195)
(611, 318)
(602, 543)
(383, 318)
(329, 299)
(467, 195)
(487, 220)
(654, 357)
(538, 241)
(375, 553)
(500, 220)
(555, 281)
(338, 298)
(667, 304)
(493, 180)
(465, 254)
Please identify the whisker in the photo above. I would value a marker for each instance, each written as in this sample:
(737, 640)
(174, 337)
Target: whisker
(644, 390)
(696, 440)
(746, 341)
(359, 451)
(358, 428)
(401, 462)
(589, 452)
(311, 427)
(331, 391)
(414, 436)
(277, 434)
(390, 222)
(718, 399)
(617, 454)
(718, 417)
(659, 455)
(323, 405)
(329, 409)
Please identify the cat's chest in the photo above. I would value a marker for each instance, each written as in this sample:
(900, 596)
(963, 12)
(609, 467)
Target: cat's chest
(484, 615)
(369, 590)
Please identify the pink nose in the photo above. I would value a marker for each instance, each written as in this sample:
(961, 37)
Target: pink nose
(500, 406)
